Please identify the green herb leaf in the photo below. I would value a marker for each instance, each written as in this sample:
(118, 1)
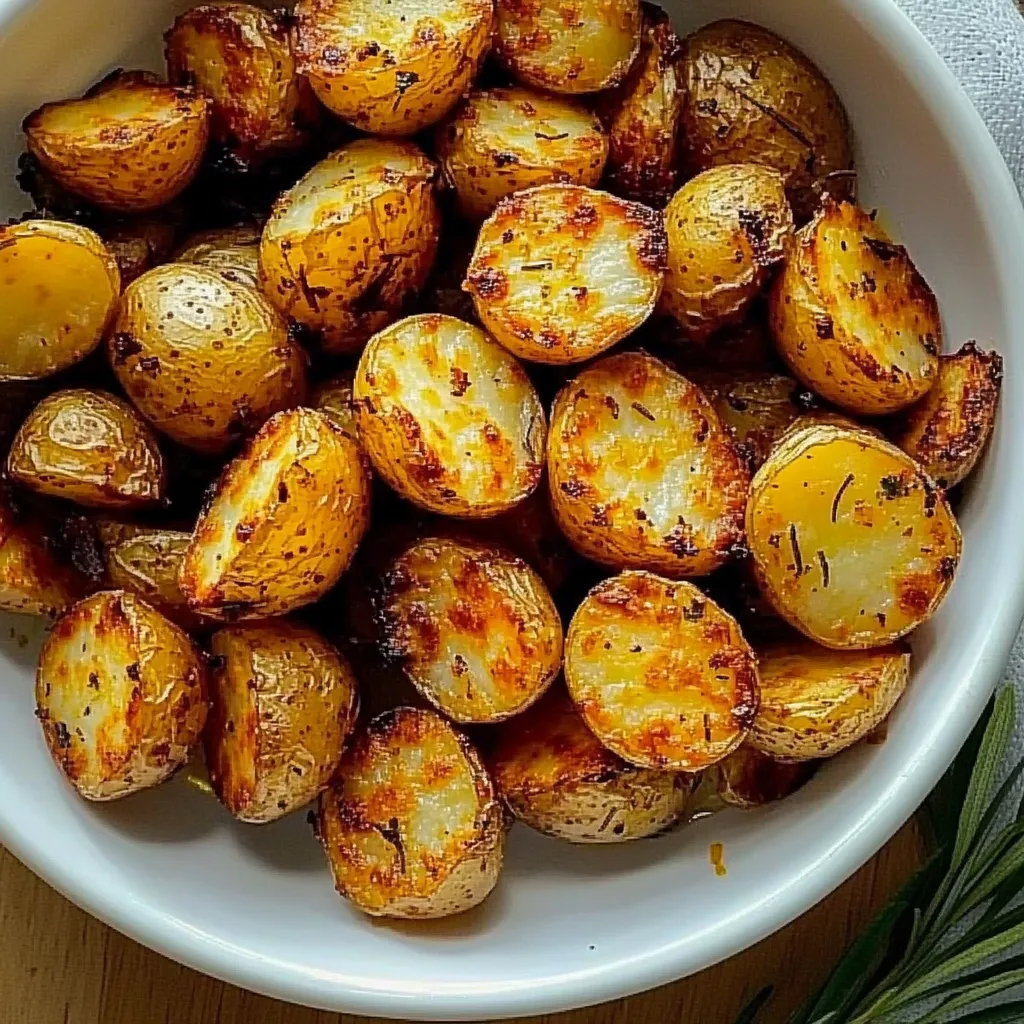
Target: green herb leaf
(1008, 1013)
(973, 988)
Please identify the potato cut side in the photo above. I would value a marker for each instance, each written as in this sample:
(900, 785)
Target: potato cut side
(234, 252)
(852, 544)
(748, 778)
(334, 398)
(660, 673)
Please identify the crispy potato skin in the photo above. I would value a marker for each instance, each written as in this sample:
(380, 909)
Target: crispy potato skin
(334, 398)
(132, 143)
(233, 252)
(59, 286)
(448, 417)
(500, 141)
(751, 97)
(946, 432)
(852, 544)
(852, 316)
(91, 448)
(283, 523)
(204, 358)
(815, 702)
(411, 823)
(661, 675)
(283, 700)
(140, 242)
(641, 471)
(748, 778)
(345, 248)
(561, 273)
(392, 69)
(120, 695)
(727, 228)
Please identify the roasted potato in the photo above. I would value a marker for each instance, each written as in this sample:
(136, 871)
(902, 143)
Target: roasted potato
(206, 359)
(448, 417)
(59, 286)
(750, 97)
(345, 248)
(234, 252)
(334, 399)
(283, 523)
(946, 432)
(392, 69)
(557, 778)
(852, 543)
(568, 47)
(500, 141)
(561, 273)
(748, 778)
(411, 823)
(727, 228)
(641, 471)
(661, 675)
(816, 702)
(140, 242)
(282, 702)
(131, 143)
(120, 694)
(91, 448)
(853, 317)
(473, 627)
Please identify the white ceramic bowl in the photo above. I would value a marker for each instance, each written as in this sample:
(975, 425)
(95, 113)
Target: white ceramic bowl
(569, 926)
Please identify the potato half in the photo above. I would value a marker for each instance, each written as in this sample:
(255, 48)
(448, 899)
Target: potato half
(852, 543)
(448, 417)
(120, 694)
(561, 273)
(642, 472)
(660, 673)
(334, 398)
(748, 778)
(411, 823)
(234, 252)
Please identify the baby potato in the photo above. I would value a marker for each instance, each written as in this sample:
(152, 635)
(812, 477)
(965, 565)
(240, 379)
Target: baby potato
(568, 47)
(473, 627)
(448, 417)
(395, 68)
(59, 286)
(748, 778)
(852, 543)
(91, 448)
(641, 471)
(334, 399)
(130, 143)
(346, 247)
(816, 702)
(120, 695)
(557, 778)
(140, 242)
(206, 359)
(500, 141)
(234, 252)
(411, 823)
(727, 228)
(561, 273)
(852, 316)
(282, 702)
(946, 432)
(283, 522)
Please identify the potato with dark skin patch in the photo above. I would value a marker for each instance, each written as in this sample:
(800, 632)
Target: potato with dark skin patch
(233, 252)
(334, 398)
(749, 778)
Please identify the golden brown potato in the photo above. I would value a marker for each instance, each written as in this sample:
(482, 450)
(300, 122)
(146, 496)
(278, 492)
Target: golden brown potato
(500, 141)
(561, 273)
(411, 824)
(448, 417)
(131, 143)
(346, 247)
(234, 252)
(334, 399)
(282, 702)
(568, 47)
(59, 286)
(853, 317)
(284, 521)
(120, 694)
(816, 702)
(557, 778)
(642, 472)
(392, 69)
(727, 228)
(852, 544)
(140, 242)
(91, 448)
(751, 97)
(946, 432)
(205, 359)
(748, 778)
(660, 673)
